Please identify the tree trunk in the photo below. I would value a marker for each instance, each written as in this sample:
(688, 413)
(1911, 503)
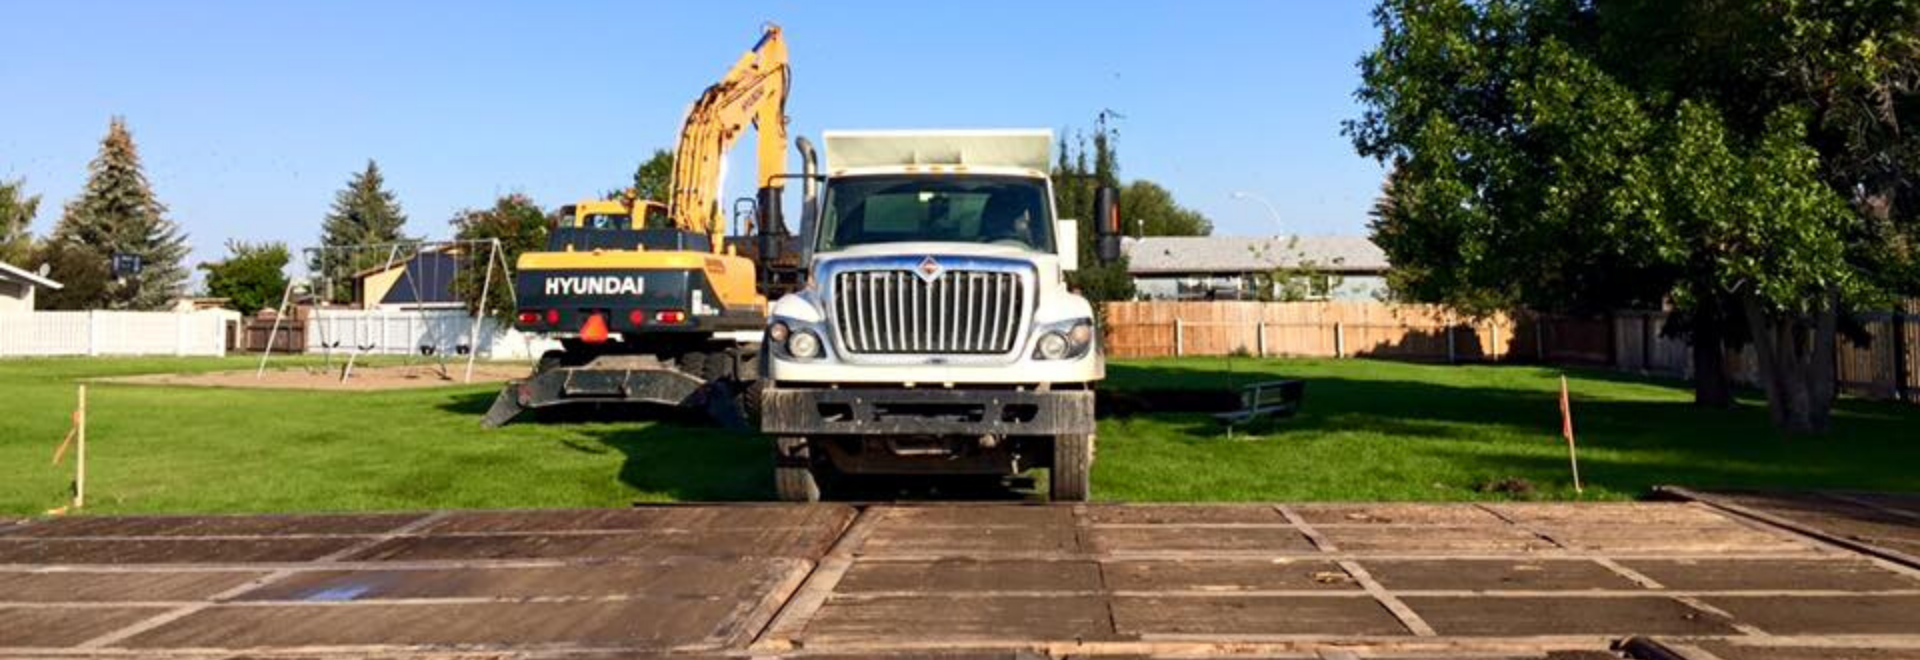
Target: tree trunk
(1712, 386)
(1796, 364)
(1822, 381)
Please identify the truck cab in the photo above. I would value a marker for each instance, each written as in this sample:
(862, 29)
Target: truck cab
(936, 334)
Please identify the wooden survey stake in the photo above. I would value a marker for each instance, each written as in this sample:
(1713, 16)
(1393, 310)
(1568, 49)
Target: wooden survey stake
(1566, 429)
(77, 438)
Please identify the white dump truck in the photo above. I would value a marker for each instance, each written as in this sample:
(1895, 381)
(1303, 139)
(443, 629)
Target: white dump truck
(935, 334)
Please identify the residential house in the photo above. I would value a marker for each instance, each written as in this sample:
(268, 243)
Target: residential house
(423, 281)
(1236, 267)
(17, 286)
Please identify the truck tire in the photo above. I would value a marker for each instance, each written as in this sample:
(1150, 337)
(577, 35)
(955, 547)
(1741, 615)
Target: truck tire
(1070, 478)
(750, 392)
(794, 478)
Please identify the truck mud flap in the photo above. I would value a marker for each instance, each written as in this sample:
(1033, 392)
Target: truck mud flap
(570, 386)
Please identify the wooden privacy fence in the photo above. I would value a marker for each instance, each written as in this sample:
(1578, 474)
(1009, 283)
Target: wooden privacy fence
(1881, 364)
(1308, 329)
(1884, 364)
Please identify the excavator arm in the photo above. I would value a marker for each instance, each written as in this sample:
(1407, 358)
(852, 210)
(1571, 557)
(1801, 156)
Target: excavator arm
(753, 93)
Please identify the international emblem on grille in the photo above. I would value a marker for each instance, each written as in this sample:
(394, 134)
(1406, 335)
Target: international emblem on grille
(929, 269)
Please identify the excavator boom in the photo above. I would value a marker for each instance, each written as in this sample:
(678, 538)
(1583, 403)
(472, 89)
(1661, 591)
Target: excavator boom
(753, 93)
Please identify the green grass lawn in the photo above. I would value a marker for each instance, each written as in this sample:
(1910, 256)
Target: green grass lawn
(1370, 430)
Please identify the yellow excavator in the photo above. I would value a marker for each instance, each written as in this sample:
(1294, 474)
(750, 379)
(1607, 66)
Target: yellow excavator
(666, 315)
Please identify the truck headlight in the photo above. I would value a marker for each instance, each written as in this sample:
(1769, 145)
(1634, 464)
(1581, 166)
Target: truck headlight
(1053, 346)
(1064, 341)
(803, 345)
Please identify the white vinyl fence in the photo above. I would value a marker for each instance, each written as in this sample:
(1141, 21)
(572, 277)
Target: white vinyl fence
(380, 332)
(113, 333)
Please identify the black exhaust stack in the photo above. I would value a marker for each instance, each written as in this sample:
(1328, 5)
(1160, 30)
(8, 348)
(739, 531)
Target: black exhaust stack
(1106, 228)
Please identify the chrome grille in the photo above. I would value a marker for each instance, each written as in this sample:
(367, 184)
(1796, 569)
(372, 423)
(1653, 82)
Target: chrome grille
(895, 311)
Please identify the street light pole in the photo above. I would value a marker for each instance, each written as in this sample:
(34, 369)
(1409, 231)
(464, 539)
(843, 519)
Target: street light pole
(1271, 211)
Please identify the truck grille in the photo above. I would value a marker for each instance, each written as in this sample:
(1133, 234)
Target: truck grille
(961, 311)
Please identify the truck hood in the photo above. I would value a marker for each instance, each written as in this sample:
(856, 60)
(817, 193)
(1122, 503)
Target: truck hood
(1047, 263)
(934, 248)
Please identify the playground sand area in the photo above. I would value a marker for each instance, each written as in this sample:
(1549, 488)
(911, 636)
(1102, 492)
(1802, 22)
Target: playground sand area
(362, 379)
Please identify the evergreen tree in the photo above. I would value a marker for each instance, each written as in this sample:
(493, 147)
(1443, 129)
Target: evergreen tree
(16, 215)
(363, 213)
(1075, 181)
(117, 214)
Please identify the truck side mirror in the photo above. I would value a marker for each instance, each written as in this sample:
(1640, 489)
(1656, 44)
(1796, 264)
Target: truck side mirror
(1106, 212)
(1067, 244)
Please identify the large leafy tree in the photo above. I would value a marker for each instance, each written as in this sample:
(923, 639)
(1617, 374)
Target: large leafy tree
(117, 214)
(17, 210)
(364, 215)
(520, 226)
(251, 278)
(1150, 209)
(654, 178)
(1741, 161)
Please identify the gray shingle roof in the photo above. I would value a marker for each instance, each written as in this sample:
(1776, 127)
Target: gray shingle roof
(1246, 254)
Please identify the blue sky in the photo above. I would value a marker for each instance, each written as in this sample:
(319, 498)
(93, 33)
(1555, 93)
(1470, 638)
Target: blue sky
(251, 115)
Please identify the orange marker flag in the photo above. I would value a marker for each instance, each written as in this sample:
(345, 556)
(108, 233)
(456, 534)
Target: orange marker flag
(1566, 430)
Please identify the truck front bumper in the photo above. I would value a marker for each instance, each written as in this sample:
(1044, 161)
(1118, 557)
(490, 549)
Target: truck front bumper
(811, 411)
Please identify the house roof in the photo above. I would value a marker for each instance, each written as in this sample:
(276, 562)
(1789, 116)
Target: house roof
(400, 262)
(1246, 254)
(10, 271)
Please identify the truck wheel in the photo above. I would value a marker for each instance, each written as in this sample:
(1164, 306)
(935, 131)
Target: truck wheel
(750, 392)
(794, 479)
(1070, 478)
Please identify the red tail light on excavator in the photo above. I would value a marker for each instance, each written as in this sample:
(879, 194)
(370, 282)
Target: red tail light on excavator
(637, 317)
(529, 317)
(553, 317)
(670, 316)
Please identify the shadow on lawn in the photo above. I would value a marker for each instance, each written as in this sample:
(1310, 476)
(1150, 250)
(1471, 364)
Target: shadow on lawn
(1627, 444)
(1486, 431)
(668, 453)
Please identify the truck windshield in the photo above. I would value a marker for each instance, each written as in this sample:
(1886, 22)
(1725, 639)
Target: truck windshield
(997, 210)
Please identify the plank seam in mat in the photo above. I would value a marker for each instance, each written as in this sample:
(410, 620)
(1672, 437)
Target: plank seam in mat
(164, 618)
(1894, 560)
(1631, 575)
(782, 631)
(1082, 536)
(1407, 617)
(505, 533)
(1320, 541)
(1876, 506)
(1530, 529)
(1744, 627)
